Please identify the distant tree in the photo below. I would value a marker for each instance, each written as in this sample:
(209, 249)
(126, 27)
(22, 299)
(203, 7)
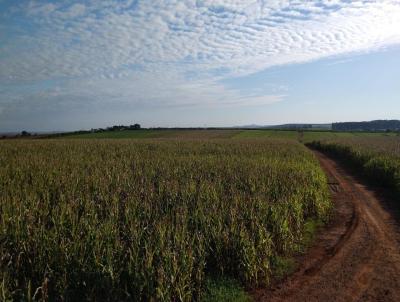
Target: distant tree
(134, 127)
(378, 125)
(25, 133)
(121, 128)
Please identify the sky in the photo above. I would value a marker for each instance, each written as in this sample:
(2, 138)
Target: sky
(70, 65)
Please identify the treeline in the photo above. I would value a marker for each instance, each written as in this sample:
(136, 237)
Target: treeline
(378, 125)
(117, 128)
(22, 134)
(96, 130)
(111, 128)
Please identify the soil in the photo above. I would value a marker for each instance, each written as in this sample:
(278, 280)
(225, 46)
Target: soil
(356, 257)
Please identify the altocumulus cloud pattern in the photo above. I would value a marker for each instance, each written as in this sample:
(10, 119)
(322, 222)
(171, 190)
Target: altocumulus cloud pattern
(62, 54)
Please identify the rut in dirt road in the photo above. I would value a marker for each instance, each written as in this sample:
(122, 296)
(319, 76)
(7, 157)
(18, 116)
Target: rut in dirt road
(356, 257)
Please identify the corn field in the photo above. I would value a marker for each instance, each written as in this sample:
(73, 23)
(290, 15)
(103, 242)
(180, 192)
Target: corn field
(126, 220)
(378, 158)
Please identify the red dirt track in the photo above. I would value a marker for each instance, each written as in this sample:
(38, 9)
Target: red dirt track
(355, 258)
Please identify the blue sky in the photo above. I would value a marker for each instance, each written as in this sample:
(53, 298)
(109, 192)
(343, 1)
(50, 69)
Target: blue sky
(67, 65)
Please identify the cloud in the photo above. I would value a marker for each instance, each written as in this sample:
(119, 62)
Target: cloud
(81, 40)
(176, 52)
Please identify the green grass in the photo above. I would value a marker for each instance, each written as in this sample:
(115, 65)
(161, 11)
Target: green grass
(266, 134)
(308, 136)
(146, 134)
(224, 290)
(310, 229)
(315, 135)
(284, 265)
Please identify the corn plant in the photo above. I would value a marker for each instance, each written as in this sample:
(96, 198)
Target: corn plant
(126, 220)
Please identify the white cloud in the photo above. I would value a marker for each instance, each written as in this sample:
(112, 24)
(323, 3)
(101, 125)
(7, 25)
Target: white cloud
(174, 52)
(201, 35)
(75, 10)
(35, 9)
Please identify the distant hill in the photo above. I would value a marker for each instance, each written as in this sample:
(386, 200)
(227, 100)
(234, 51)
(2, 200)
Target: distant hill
(289, 126)
(302, 126)
(377, 125)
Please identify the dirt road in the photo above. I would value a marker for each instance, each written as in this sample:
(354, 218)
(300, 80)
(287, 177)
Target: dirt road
(356, 257)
